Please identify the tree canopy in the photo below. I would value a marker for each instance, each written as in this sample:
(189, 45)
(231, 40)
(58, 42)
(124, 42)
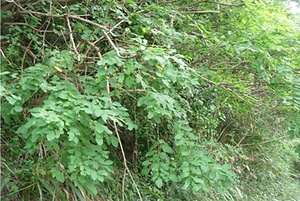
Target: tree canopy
(148, 100)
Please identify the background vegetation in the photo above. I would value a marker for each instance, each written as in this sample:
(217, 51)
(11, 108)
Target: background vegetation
(149, 100)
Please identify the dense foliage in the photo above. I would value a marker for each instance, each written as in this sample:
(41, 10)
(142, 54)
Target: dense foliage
(141, 100)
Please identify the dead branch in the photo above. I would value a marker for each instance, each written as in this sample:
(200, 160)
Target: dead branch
(103, 28)
(200, 11)
(3, 55)
(72, 39)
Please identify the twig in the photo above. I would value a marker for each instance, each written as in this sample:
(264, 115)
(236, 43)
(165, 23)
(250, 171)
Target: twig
(200, 11)
(267, 141)
(8, 168)
(19, 190)
(112, 43)
(114, 27)
(25, 24)
(28, 51)
(103, 28)
(227, 89)
(3, 55)
(119, 140)
(95, 47)
(133, 91)
(123, 185)
(47, 23)
(71, 38)
(223, 131)
(125, 160)
(223, 4)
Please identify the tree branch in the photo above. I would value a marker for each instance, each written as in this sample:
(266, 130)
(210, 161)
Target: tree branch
(200, 11)
(103, 28)
(71, 38)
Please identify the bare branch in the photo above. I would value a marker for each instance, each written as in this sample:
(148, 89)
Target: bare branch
(103, 28)
(200, 11)
(72, 39)
(3, 55)
(223, 4)
(95, 48)
(62, 16)
(227, 89)
(28, 51)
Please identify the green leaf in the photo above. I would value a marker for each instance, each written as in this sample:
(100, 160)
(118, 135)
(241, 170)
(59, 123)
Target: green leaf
(130, 124)
(18, 108)
(99, 140)
(114, 141)
(99, 128)
(150, 115)
(11, 100)
(50, 135)
(198, 180)
(73, 133)
(129, 1)
(187, 183)
(98, 112)
(103, 172)
(91, 186)
(159, 183)
(58, 175)
(173, 178)
(139, 78)
(94, 175)
(166, 148)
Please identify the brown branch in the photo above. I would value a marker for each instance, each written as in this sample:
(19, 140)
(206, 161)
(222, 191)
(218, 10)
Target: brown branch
(191, 5)
(72, 39)
(223, 4)
(28, 51)
(10, 4)
(3, 55)
(62, 16)
(227, 89)
(33, 28)
(134, 90)
(114, 27)
(118, 136)
(200, 11)
(103, 28)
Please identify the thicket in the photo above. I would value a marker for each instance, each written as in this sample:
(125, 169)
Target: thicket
(148, 100)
